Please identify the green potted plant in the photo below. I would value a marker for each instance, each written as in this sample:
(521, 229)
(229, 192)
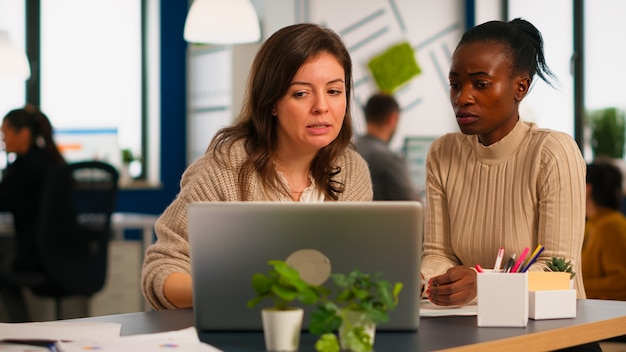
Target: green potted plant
(362, 300)
(608, 127)
(282, 322)
(557, 264)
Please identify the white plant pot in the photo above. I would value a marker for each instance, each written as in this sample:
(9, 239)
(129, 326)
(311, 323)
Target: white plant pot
(282, 328)
(352, 318)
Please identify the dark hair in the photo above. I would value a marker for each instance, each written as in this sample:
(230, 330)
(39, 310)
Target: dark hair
(378, 108)
(276, 63)
(40, 130)
(524, 42)
(606, 184)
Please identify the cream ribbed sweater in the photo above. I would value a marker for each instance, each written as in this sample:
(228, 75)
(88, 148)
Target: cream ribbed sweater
(206, 180)
(526, 189)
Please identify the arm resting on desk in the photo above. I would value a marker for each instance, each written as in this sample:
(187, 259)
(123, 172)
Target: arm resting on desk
(177, 290)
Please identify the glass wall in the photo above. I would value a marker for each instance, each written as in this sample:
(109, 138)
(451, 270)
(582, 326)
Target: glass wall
(12, 20)
(550, 107)
(91, 72)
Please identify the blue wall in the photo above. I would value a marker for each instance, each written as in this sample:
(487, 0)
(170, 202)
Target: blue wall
(173, 115)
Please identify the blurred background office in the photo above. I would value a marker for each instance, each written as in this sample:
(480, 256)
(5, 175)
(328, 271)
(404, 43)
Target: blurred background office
(139, 86)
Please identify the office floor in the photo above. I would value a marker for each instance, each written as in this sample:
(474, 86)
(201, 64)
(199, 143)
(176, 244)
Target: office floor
(42, 309)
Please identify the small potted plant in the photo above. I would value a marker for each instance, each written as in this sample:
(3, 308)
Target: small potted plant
(560, 265)
(282, 322)
(361, 301)
(556, 264)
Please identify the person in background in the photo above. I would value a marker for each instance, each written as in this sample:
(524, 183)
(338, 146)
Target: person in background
(604, 246)
(291, 143)
(500, 182)
(390, 176)
(27, 133)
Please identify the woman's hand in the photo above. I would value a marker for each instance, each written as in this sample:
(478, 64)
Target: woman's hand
(456, 287)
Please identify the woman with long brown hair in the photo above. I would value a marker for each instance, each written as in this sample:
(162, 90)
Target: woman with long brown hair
(290, 143)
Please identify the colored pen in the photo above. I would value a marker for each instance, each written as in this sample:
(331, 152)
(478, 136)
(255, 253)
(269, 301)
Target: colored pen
(520, 260)
(533, 259)
(509, 264)
(478, 268)
(530, 257)
(496, 266)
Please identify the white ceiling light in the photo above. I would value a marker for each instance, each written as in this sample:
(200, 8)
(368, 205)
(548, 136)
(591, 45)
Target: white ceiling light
(13, 61)
(222, 22)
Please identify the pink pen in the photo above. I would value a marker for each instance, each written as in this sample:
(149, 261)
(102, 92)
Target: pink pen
(520, 260)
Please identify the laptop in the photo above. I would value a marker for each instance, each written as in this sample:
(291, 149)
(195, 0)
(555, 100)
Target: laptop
(231, 241)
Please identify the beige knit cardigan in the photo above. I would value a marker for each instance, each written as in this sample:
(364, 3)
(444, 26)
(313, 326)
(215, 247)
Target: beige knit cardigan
(206, 180)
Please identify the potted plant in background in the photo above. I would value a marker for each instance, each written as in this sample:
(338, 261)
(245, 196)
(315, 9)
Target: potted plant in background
(608, 127)
(362, 300)
(282, 323)
(608, 134)
(127, 158)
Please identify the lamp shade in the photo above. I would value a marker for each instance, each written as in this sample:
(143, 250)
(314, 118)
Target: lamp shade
(222, 22)
(13, 61)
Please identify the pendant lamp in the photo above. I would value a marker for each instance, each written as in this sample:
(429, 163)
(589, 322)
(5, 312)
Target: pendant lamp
(222, 22)
(13, 61)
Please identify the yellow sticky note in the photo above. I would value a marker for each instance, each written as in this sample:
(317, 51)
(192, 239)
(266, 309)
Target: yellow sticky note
(542, 280)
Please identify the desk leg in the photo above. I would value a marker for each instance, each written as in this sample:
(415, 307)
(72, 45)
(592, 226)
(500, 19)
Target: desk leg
(147, 241)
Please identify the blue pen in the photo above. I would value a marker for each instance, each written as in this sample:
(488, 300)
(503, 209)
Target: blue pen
(533, 259)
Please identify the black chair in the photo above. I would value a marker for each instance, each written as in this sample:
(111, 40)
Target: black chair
(74, 232)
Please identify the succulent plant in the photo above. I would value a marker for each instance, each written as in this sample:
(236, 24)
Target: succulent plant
(560, 265)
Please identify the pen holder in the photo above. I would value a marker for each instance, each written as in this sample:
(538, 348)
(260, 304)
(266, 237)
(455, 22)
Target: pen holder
(502, 299)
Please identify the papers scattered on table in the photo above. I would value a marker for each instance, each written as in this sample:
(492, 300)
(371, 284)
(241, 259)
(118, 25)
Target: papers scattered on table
(57, 330)
(44, 336)
(185, 340)
(428, 309)
(101, 337)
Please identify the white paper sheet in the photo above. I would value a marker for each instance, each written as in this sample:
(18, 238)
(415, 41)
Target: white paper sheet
(56, 330)
(428, 309)
(185, 340)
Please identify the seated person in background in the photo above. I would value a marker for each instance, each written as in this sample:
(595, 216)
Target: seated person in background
(500, 182)
(289, 144)
(27, 133)
(391, 179)
(604, 246)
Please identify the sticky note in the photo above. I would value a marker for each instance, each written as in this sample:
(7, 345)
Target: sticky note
(542, 280)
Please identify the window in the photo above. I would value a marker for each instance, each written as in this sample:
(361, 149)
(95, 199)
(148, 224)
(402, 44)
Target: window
(91, 76)
(12, 19)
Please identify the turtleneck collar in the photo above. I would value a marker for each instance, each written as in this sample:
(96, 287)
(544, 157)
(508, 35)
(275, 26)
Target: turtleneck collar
(504, 148)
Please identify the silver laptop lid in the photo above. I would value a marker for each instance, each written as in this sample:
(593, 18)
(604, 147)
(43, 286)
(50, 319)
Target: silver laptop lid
(230, 241)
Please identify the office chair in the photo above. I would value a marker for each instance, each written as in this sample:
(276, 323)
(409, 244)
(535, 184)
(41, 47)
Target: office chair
(74, 232)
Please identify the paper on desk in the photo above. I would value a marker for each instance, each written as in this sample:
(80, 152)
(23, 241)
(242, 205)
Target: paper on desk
(55, 330)
(428, 309)
(185, 340)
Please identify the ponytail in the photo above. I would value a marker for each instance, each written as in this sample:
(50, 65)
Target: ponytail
(41, 130)
(524, 42)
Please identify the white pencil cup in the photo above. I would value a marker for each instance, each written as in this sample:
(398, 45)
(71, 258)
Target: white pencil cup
(502, 299)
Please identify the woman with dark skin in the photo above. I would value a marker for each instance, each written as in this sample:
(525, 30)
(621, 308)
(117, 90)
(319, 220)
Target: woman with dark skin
(27, 133)
(501, 182)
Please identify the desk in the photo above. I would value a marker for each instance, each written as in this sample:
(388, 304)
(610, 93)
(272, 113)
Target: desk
(128, 221)
(595, 320)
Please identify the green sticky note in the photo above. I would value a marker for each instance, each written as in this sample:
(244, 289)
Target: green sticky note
(394, 67)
